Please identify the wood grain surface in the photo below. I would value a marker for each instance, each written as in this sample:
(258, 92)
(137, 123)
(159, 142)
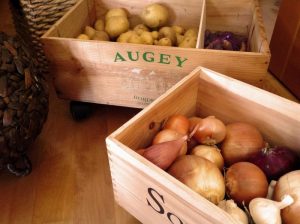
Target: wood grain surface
(70, 181)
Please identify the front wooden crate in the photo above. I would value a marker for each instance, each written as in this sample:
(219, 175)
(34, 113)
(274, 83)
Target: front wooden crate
(91, 70)
(154, 196)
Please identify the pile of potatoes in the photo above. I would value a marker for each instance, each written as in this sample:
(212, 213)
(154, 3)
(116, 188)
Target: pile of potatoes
(153, 30)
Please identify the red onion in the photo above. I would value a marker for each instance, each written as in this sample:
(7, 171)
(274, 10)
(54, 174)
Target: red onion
(275, 161)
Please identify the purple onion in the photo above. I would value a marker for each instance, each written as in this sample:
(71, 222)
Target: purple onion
(275, 161)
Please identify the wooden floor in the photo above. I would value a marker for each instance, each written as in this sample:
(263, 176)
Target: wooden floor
(70, 181)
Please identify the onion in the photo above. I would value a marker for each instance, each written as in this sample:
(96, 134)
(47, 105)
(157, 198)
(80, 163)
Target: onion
(212, 153)
(275, 161)
(169, 135)
(289, 184)
(163, 154)
(245, 181)
(179, 123)
(201, 175)
(241, 142)
(211, 130)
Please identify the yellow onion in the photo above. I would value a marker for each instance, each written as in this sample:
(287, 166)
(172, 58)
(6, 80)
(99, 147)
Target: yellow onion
(212, 153)
(211, 130)
(170, 135)
(242, 141)
(201, 175)
(177, 122)
(245, 181)
(289, 184)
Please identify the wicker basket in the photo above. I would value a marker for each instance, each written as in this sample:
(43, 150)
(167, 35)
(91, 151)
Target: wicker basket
(32, 18)
(23, 89)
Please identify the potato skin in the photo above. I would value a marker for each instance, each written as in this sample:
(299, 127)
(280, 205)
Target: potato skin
(83, 36)
(192, 32)
(101, 35)
(124, 37)
(164, 42)
(147, 38)
(155, 15)
(115, 12)
(99, 25)
(140, 28)
(89, 31)
(169, 33)
(188, 42)
(116, 25)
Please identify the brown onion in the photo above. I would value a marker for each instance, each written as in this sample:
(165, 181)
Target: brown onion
(289, 184)
(245, 181)
(242, 141)
(169, 135)
(178, 122)
(211, 130)
(212, 153)
(201, 175)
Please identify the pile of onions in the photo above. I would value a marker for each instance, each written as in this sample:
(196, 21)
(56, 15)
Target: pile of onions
(245, 181)
(275, 161)
(242, 141)
(289, 184)
(200, 175)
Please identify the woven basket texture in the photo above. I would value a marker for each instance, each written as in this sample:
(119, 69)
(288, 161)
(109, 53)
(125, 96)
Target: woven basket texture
(32, 18)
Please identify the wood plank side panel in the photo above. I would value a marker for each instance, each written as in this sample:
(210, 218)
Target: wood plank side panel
(77, 63)
(227, 15)
(202, 27)
(257, 35)
(231, 101)
(74, 21)
(148, 123)
(174, 198)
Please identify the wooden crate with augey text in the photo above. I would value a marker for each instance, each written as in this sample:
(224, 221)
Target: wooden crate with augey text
(134, 75)
(151, 194)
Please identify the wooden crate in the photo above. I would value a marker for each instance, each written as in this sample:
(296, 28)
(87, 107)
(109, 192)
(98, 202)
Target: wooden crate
(89, 71)
(154, 196)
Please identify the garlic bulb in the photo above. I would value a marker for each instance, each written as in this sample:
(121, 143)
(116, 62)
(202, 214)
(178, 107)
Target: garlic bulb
(266, 211)
(234, 211)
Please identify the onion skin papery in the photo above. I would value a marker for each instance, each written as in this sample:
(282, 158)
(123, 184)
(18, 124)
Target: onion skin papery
(242, 141)
(275, 161)
(289, 184)
(200, 175)
(245, 181)
(169, 135)
(178, 123)
(211, 130)
(212, 153)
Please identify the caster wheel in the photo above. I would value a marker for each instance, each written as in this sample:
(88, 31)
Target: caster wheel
(80, 110)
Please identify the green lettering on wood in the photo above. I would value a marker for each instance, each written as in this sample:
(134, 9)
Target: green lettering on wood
(164, 59)
(179, 61)
(130, 56)
(148, 59)
(119, 57)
